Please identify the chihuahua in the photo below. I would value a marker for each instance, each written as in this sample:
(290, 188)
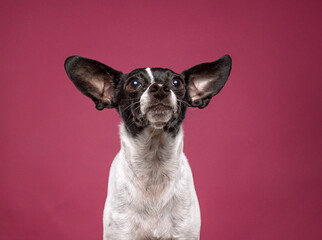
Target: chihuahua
(151, 193)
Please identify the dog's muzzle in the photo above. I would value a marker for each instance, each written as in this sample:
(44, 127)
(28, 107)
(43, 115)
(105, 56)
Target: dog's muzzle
(158, 103)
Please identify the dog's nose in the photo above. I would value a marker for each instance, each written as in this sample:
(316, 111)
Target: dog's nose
(159, 90)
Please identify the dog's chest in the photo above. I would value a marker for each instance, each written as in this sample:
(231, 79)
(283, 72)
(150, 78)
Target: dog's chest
(150, 190)
(157, 208)
(153, 220)
(149, 205)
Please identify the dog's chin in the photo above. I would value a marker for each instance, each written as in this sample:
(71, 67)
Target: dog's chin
(158, 116)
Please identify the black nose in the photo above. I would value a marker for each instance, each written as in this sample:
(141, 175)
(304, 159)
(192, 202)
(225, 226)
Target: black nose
(159, 90)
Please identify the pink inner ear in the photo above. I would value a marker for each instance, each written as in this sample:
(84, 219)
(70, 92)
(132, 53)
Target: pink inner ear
(101, 88)
(108, 92)
(199, 87)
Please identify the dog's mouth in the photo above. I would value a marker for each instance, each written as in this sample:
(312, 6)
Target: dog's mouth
(159, 114)
(160, 107)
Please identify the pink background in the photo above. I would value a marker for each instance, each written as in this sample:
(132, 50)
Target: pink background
(255, 151)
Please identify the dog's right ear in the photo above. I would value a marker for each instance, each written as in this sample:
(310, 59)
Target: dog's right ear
(94, 79)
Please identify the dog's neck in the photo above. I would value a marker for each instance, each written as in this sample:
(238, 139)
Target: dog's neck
(153, 157)
(151, 145)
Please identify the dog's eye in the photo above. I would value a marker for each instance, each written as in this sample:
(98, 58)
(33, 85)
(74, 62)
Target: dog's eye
(177, 83)
(134, 84)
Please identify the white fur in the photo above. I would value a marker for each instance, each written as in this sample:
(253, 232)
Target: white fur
(148, 70)
(151, 192)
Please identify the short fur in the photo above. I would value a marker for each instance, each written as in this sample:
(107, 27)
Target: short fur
(151, 193)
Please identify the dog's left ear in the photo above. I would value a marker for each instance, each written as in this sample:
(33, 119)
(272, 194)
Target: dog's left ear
(94, 79)
(205, 80)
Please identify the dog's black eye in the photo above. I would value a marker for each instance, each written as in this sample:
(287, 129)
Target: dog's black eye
(177, 83)
(134, 84)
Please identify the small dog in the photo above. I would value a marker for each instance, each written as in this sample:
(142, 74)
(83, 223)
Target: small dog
(151, 192)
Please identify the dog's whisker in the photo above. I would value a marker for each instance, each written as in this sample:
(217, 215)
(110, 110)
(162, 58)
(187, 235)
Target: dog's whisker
(131, 105)
(152, 134)
(184, 102)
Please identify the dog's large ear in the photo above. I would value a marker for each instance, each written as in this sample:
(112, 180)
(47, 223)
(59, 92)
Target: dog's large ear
(205, 80)
(94, 79)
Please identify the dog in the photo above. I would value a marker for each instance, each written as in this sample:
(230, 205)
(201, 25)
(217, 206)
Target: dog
(151, 193)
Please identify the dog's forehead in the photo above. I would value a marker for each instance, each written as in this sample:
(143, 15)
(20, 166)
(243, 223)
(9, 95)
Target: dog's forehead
(153, 74)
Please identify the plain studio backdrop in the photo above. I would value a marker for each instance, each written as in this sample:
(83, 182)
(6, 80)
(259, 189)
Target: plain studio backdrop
(255, 151)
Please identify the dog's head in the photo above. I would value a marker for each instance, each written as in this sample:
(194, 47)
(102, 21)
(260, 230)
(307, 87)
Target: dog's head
(156, 97)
